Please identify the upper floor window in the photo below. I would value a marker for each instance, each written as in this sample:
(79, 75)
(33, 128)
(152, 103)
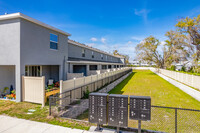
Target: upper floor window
(111, 58)
(92, 54)
(53, 41)
(106, 57)
(102, 56)
(83, 52)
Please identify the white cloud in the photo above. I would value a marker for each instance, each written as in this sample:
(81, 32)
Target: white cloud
(137, 38)
(103, 40)
(129, 42)
(143, 13)
(93, 39)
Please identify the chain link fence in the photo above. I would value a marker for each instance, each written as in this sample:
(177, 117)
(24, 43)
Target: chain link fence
(173, 120)
(163, 119)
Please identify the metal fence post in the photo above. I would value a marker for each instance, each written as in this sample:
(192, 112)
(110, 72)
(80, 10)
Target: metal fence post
(70, 96)
(176, 121)
(139, 126)
(50, 106)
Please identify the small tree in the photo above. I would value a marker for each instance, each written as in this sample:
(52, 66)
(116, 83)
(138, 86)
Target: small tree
(147, 50)
(173, 49)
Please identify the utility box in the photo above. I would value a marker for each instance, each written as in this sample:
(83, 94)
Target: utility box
(140, 108)
(118, 110)
(98, 108)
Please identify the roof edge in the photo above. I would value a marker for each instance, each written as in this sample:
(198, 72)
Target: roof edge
(91, 48)
(20, 15)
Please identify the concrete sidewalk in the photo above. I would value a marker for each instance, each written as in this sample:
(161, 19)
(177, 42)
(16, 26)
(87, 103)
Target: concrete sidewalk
(15, 125)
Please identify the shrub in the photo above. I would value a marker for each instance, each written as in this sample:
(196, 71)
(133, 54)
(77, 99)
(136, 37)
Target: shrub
(86, 93)
(173, 68)
(183, 69)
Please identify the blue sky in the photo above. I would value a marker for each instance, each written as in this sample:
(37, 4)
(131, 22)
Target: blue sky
(107, 24)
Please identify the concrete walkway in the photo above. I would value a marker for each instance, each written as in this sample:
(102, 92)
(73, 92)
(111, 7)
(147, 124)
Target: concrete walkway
(190, 91)
(15, 125)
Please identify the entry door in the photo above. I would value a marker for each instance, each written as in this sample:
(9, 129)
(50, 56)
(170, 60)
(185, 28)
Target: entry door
(80, 69)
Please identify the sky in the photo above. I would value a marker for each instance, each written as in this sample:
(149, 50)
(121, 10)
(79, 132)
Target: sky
(107, 24)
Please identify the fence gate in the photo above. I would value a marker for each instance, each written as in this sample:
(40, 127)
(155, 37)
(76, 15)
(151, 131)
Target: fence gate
(33, 89)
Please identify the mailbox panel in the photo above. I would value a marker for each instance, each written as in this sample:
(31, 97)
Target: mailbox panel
(140, 108)
(118, 110)
(123, 117)
(98, 108)
(134, 114)
(144, 115)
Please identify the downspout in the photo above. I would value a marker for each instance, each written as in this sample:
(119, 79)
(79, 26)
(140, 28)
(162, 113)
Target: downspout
(63, 77)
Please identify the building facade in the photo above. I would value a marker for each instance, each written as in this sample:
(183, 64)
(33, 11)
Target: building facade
(84, 59)
(32, 48)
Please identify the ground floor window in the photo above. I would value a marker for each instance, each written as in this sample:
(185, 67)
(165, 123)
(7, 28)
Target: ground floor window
(93, 67)
(104, 66)
(35, 71)
(109, 66)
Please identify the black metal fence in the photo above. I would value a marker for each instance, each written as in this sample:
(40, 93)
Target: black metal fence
(62, 101)
(173, 120)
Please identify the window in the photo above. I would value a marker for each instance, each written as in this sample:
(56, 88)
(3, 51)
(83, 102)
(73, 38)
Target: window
(92, 54)
(53, 41)
(111, 58)
(106, 57)
(104, 66)
(102, 56)
(93, 67)
(83, 52)
(35, 71)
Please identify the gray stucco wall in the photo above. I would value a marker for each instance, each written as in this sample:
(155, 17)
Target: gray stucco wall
(7, 76)
(50, 72)
(10, 42)
(35, 47)
(76, 52)
(10, 50)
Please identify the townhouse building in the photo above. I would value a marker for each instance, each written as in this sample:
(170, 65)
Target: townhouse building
(32, 48)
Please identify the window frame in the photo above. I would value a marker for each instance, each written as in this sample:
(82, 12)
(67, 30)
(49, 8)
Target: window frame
(53, 41)
(30, 68)
(83, 52)
(102, 56)
(92, 54)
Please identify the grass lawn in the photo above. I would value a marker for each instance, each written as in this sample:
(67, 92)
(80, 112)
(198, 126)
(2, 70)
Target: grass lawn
(20, 110)
(147, 83)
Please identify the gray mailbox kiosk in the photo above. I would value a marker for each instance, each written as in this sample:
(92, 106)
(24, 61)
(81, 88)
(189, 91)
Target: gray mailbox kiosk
(140, 108)
(118, 110)
(98, 108)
